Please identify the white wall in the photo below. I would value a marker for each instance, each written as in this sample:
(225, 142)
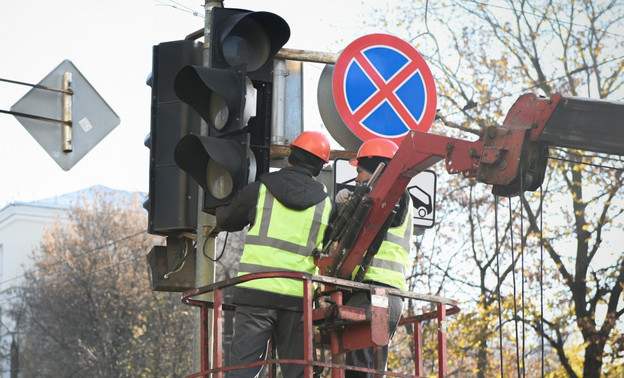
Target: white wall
(21, 228)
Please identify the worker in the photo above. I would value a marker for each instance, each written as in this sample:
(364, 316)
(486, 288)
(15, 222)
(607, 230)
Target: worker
(287, 212)
(391, 263)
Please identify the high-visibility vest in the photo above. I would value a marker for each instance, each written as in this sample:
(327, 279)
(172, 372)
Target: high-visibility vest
(392, 259)
(282, 239)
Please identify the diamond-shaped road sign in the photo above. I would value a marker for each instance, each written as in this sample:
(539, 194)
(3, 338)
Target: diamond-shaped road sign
(92, 117)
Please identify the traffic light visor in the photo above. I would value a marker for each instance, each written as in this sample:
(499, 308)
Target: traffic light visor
(247, 43)
(220, 166)
(251, 38)
(224, 98)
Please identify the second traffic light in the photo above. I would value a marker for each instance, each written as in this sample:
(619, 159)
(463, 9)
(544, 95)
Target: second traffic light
(172, 198)
(233, 96)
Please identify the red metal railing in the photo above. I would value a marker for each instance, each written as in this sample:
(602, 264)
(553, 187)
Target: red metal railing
(352, 322)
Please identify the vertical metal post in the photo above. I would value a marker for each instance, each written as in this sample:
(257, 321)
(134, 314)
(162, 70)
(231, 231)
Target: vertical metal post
(418, 349)
(206, 242)
(279, 102)
(441, 340)
(204, 338)
(67, 133)
(308, 331)
(217, 358)
(337, 352)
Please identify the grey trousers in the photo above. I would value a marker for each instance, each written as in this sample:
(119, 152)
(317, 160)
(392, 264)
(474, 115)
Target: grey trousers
(366, 357)
(253, 327)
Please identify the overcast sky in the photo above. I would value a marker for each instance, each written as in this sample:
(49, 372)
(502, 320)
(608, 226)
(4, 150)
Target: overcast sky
(110, 43)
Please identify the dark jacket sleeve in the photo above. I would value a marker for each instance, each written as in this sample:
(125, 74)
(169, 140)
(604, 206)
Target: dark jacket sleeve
(241, 211)
(402, 211)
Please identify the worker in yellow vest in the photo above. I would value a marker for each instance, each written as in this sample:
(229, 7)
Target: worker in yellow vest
(391, 263)
(287, 211)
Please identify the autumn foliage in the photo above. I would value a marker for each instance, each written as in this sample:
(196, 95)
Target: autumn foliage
(88, 309)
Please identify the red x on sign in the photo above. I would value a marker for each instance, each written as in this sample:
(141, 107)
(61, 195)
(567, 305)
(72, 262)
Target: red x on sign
(384, 88)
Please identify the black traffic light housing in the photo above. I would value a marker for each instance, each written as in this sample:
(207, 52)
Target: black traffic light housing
(172, 199)
(220, 166)
(233, 96)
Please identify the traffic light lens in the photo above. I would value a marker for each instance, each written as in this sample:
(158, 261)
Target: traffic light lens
(218, 110)
(247, 43)
(218, 180)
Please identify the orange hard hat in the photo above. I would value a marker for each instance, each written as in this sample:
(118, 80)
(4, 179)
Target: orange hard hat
(378, 147)
(315, 143)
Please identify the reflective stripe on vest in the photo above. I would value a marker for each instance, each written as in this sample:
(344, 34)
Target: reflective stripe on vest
(282, 239)
(390, 264)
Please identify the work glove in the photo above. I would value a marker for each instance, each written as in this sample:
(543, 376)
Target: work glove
(342, 196)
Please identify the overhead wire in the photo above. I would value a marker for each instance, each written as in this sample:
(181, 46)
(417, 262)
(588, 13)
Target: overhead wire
(522, 242)
(83, 254)
(179, 6)
(536, 85)
(587, 163)
(544, 16)
(513, 277)
(498, 286)
(584, 68)
(541, 277)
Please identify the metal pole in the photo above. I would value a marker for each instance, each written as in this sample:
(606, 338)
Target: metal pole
(67, 131)
(206, 242)
(307, 56)
(279, 107)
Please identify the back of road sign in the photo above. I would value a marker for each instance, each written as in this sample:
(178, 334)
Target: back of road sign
(92, 117)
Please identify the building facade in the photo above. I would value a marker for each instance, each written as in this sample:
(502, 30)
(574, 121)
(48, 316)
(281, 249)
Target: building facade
(22, 225)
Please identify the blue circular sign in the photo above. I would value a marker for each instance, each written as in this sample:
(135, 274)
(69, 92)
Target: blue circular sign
(384, 88)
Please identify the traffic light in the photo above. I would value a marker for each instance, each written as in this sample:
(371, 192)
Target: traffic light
(240, 36)
(225, 99)
(172, 199)
(233, 96)
(220, 166)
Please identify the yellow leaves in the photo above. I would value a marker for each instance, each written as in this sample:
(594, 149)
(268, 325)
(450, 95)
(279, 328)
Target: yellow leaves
(138, 331)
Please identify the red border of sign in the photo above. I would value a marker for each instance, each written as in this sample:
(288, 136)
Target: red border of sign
(354, 49)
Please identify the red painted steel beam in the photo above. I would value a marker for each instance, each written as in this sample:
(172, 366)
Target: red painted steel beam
(441, 340)
(217, 351)
(417, 152)
(418, 350)
(308, 330)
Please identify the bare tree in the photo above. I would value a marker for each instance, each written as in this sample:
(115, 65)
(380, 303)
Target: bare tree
(484, 55)
(87, 306)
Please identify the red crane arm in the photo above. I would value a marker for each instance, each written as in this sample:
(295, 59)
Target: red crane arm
(511, 157)
(417, 152)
